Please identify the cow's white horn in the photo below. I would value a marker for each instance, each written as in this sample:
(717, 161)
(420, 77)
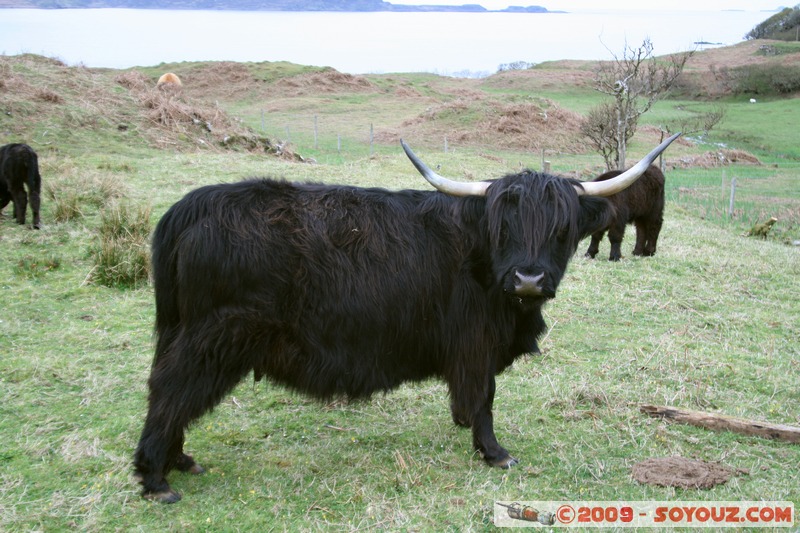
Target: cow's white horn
(624, 180)
(446, 185)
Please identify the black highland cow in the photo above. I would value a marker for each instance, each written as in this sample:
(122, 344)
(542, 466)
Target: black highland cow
(19, 167)
(642, 204)
(343, 291)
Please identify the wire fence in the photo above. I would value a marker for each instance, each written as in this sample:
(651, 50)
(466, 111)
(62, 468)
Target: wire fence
(739, 196)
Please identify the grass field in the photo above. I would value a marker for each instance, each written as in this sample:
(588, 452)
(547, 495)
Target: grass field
(711, 323)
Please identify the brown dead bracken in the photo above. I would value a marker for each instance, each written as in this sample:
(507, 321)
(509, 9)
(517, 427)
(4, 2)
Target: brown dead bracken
(680, 472)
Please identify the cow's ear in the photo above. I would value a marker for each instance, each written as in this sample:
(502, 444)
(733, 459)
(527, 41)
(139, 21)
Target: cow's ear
(595, 214)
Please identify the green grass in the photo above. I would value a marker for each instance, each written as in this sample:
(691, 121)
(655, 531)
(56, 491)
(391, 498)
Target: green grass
(710, 323)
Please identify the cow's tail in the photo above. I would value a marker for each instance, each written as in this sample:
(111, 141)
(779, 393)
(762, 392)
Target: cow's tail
(34, 185)
(34, 178)
(164, 271)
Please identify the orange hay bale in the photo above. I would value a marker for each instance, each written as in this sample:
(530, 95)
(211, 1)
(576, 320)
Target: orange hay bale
(169, 79)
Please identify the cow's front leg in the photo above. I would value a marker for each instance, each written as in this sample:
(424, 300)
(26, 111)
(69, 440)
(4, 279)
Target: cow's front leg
(472, 407)
(483, 436)
(594, 245)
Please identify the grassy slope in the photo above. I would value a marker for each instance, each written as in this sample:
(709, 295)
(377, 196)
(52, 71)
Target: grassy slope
(710, 323)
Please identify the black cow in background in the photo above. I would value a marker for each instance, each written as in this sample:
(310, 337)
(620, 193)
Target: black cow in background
(19, 168)
(338, 291)
(642, 204)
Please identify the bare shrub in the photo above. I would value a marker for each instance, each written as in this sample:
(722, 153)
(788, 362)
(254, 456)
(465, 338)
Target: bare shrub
(46, 95)
(133, 80)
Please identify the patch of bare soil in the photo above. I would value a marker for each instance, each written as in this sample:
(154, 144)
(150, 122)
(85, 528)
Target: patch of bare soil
(568, 74)
(738, 55)
(719, 158)
(479, 120)
(681, 472)
(325, 82)
(712, 72)
(174, 118)
(224, 79)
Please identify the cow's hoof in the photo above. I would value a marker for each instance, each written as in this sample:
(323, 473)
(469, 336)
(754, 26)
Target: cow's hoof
(186, 463)
(196, 469)
(505, 463)
(166, 496)
(457, 420)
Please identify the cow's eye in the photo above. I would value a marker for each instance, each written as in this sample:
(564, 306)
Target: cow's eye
(504, 235)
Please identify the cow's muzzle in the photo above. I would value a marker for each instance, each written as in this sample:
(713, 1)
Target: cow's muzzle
(532, 285)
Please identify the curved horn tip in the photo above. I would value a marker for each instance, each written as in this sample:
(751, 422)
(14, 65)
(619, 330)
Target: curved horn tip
(624, 180)
(445, 185)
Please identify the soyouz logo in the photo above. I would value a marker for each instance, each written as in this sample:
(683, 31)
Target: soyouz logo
(643, 514)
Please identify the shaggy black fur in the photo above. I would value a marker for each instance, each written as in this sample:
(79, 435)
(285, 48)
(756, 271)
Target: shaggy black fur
(343, 291)
(642, 204)
(19, 167)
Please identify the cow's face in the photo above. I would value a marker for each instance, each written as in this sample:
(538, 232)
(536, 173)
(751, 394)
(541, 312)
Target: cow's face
(536, 220)
(535, 224)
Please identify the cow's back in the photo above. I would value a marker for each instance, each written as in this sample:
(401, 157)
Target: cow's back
(332, 290)
(643, 197)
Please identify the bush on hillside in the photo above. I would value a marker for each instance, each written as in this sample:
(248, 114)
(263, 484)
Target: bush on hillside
(763, 80)
(780, 26)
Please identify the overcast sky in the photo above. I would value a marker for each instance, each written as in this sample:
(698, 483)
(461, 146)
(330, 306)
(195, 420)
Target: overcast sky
(571, 5)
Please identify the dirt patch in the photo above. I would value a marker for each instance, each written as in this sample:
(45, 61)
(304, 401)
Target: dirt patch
(681, 472)
(554, 78)
(719, 158)
(478, 120)
(223, 79)
(176, 120)
(327, 81)
(743, 53)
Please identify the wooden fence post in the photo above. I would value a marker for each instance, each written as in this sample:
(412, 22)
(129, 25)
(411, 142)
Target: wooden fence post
(723, 182)
(733, 197)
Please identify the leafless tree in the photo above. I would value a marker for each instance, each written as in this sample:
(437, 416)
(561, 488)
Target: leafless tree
(634, 81)
(697, 122)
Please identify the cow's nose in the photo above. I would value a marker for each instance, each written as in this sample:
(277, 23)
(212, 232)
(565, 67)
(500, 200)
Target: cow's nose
(528, 284)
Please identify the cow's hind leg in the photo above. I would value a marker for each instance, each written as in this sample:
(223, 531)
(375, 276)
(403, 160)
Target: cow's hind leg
(185, 383)
(641, 236)
(651, 236)
(5, 198)
(647, 230)
(20, 204)
(615, 235)
(35, 203)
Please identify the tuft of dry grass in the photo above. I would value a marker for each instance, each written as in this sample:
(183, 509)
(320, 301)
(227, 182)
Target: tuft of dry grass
(122, 255)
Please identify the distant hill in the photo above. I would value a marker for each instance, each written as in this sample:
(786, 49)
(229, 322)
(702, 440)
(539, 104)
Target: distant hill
(260, 5)
(783, 26)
